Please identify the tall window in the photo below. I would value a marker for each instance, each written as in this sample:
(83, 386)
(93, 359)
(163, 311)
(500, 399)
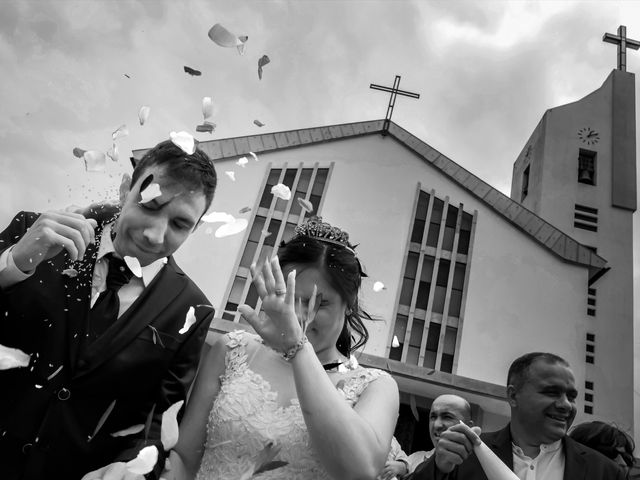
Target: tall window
(587, 167)
(525, 183)
(274, 221)
(431, 302)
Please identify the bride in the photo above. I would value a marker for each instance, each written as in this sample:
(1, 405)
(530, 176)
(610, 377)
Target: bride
(289, 403)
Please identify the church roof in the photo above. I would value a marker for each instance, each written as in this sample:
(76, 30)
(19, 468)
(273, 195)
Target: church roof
(525, 220)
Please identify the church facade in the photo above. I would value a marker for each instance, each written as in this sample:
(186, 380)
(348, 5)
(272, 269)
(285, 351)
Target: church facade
(472, 278)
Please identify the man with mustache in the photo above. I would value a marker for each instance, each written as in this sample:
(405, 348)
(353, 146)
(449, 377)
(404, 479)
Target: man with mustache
(534, 445)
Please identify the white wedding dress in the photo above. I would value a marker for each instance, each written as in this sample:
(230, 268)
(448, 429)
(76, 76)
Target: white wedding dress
(249, 416)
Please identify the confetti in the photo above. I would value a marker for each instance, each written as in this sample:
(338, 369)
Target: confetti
(134, 265)
(242, 161)
(214, 217)
(207, 107)
(231, 228)
(258, 123)
(183, 140)
(132, 430)
(78, 152)
(94, 161)
(305, 204)
(112, 153)
(152, 191)
(169, 426)
(261, 63)
(395, 343)
(70, 272)
(143, 114)
(189, 320)
(378, 287)
(223, 37)
(281, 191)
(13, 358)
(144, 462)
(231, 174)
(244, 210)
(192, 71)
(121, 131)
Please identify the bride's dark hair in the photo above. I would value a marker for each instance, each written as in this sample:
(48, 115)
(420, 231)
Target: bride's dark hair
(330, 251)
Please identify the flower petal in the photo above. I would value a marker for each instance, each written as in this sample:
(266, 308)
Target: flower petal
(395, 343)
(192, 71)
(132, 430)
(184, 140)
(189, 320)
(13, 358)
(78, 152)
(112, 153)
(207, 107)
(214, 217)
(244, 210)
(281, 191)
(378, 287)
(258, 123)
(255, 157)
(143, 114)
(169, 427)
(231, 228)
(305, 204)
(231, 174)
(242, 161)
(152, 191)
(144, 462)
(223, 37)
(121, 131)
(95, 161)
(206, 127)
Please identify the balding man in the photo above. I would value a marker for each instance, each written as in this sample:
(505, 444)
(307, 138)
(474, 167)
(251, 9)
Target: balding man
(542, 395)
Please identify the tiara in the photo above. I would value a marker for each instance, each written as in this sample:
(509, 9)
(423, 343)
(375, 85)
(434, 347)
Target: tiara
(323, 231)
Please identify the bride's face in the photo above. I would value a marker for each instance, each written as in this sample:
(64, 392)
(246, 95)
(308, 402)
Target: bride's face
(325, 329)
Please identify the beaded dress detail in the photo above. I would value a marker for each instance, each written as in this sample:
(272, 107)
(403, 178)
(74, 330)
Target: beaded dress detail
(246, 418)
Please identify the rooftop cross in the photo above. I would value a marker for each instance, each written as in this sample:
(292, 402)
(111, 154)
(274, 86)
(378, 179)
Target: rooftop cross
(392, 101)
(623, 43)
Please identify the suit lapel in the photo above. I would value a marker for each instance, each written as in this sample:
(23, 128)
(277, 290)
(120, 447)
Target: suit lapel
(574, 465)
(164, 288)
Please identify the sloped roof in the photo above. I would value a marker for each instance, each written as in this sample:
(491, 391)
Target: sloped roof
(538, 229)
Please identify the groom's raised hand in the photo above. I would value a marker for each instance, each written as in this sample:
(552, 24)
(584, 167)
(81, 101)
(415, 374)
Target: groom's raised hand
(52, 232)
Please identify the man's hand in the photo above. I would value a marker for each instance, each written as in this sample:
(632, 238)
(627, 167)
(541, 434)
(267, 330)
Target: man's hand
(393, 468)
(51, 233)
(113, 471)
(455, 445)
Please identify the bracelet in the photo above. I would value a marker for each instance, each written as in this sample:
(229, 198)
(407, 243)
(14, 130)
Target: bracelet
(289, 354)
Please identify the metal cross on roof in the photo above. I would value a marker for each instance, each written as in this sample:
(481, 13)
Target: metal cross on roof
(623, 43)
(392, 101)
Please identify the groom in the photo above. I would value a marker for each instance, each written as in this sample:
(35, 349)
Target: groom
(109, 348)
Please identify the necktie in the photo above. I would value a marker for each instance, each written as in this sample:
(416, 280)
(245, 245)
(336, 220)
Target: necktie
(105, 311)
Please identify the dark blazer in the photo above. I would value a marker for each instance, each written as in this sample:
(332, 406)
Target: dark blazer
(49, 411)
(581, 463)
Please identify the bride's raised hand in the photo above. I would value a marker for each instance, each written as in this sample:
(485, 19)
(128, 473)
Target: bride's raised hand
(278, 325)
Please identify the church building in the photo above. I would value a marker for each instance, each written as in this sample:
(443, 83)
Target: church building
(472, 278)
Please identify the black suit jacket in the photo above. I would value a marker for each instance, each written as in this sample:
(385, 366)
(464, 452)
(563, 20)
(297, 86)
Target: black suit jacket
(581, 462)
(50, 411)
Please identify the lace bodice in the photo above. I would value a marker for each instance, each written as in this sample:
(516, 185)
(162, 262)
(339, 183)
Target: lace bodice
(246, 417)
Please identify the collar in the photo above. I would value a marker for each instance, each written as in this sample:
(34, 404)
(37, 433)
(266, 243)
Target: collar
(106, 246)
(544, 448)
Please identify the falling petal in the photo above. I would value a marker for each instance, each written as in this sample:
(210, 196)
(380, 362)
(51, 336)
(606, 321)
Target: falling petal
(223, 37)
(261, 63)
(149, 193)
(12, 358)
(242, 161)
(245, 210)
(103, 419)
(78, 152)
(184, 140)
(281, 191)
(132, 430)
(112, 153)
(143, 114)
(144, 462)
(378, 287)
(121, 131)
(206, 127)
(231, 228)
(265, 233)
(231, 174)
(258, 123)
(214, 217)
(192, 71)
(134, 265)
(169, 427)
(189, 320)
(70, 272)
(305, 204)
(395, 343)
(94, 161)
(207, 107)
(255, 157)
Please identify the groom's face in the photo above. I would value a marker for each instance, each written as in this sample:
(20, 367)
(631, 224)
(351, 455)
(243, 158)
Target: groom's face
(154, 229)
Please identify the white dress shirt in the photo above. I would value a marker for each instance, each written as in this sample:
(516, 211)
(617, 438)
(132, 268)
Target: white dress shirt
(548, 465)
(127, 294)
